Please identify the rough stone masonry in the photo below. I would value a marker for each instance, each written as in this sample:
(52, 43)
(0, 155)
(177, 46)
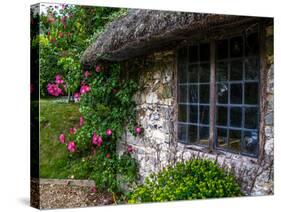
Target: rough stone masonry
(157, 148)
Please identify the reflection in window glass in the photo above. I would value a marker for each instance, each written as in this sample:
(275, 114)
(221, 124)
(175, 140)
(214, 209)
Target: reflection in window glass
(252, 44)
(221, 72)
(236, 47)
(192, 73)
(193, 93)
(204, 114)
(222, 138)
(236, 116)
(236, 93)
(192, 133)
(192, 113)
(222, 93)
(236, 70)
(204, 135)
(182, 113)
(204, 73)
(250, 90)
(234, 140)
(182, 132)
(182, 93)
(250, 142)
(251, 117)
(221, 116)
(251, 69)
(204, 93)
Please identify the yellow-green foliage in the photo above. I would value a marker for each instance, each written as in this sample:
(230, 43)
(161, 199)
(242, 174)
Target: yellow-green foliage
(193, 179)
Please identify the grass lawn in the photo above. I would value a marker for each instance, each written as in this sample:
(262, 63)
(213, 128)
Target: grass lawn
(55, 118)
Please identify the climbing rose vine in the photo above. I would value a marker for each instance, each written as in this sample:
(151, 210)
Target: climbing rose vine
(107, 109)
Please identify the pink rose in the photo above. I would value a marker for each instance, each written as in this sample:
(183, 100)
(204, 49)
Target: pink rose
(81, 120)
(54, 90)
(72, 130)
(138, 130)
(108, 155)
(71, 146)
(87, 74)
(77, 96)
(98, 68)
(84, 89)
(95, 139)
(108, 132)
(99, 141)
(130, 149)
(62, 138)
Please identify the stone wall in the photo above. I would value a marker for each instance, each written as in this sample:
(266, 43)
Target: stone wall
(156, 148)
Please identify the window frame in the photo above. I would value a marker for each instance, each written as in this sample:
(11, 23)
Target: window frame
(213, 101)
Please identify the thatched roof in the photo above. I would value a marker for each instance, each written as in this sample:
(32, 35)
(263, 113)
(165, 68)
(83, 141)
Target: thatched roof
(141, 31)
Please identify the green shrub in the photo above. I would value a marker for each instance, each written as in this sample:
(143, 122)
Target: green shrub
(193, 179)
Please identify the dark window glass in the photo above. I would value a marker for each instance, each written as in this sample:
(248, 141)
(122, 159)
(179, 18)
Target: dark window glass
(182, 93)
(193, 54)
(222, 93)
(250, 142)
(234, 140)
(182, 113)
(236, 93)
(236, 70)
(204, 52)
(182, 132)
(193, 113)
(204, 73)
(252, 44)
(221, 116)
(222, 49)
(237, 90)
(251, 117)
(204, 114)
(251, 93)
(204, 135)
(235, 116)
(192, 134)
(182, 65)
(204, 93)
(221, 72)
(236, 47)
(222, 138)
(192, 73)
(192, 93)
(251, 69)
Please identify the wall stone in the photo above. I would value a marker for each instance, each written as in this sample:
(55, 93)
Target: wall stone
(156, 148)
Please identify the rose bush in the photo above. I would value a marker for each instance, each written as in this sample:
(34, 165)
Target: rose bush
(107, 108)
(65, 33)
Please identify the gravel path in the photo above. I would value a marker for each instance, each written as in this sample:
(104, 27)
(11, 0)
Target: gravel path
(69, 194)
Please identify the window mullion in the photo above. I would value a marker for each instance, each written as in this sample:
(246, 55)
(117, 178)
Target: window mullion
(212, 94)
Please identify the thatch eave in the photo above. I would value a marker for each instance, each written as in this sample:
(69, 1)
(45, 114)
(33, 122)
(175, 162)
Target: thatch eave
(142, 31)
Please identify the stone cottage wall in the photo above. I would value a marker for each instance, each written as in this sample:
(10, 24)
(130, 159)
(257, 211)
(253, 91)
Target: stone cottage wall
(156, 148)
